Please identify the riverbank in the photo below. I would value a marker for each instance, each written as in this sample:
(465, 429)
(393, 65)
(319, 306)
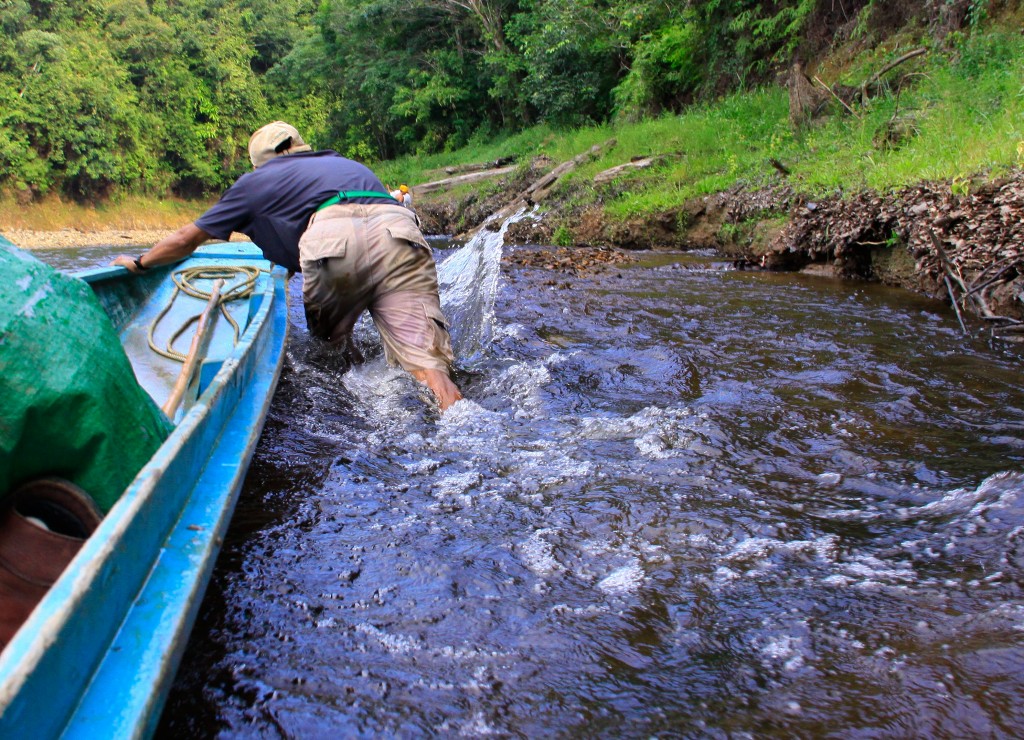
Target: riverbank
(912, 179)
(965, 248)
(76, 238)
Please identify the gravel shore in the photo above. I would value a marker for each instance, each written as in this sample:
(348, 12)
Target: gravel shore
(76, 238)
(73, 238)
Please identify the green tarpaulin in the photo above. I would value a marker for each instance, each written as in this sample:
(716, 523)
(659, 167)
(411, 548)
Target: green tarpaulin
(70, 405)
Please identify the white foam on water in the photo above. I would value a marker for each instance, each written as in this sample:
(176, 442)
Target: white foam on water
(560, 358)
(456, 653)
(485, 439)
(477, 433)
(382, 391)
(395, 644)
(478, 726)
(587, 610)
(786, 649)
(998, 491)
(520, 384)
(539, 555)
(551, 467)
(508, 331)
(596, 547)
(837, 580)
(625, 580)
(649, 419)
(660, 433)
(759, 549)
(456, 485)
(866, 569)
(468, 415)
(422, 466)
(656, 445)
(405, 645)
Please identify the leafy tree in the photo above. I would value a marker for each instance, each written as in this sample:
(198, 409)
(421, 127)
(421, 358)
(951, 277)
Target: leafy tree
(573, 54)
(101, 95)
(408, 75)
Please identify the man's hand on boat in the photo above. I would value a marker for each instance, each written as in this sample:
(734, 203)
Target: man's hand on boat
(173, 248)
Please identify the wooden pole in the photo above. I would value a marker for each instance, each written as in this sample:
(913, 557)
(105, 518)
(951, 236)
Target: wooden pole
(956, 307)
(195, 351)
(947, 267)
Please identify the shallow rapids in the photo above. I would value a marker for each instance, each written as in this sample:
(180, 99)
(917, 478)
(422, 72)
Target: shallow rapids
(681, 501)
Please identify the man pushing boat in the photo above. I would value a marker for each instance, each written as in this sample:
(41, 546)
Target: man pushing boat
(358, 249)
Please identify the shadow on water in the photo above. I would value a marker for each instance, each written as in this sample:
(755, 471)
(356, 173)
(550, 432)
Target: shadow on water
(682, 501)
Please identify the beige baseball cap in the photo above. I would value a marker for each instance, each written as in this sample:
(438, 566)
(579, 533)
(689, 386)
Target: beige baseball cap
(274, 139)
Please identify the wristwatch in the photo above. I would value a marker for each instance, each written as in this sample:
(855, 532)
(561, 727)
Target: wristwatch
(138, 263)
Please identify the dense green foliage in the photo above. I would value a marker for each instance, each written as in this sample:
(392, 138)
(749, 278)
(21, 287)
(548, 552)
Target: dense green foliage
(158, 96)
(962, 118)
(97, 95)
(431, 75)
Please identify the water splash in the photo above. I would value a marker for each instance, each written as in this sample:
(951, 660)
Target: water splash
(468, 281)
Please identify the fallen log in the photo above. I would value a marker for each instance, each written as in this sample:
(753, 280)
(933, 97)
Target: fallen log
(892, 65)
(837, 97)
(950, 272)
(451, 182)
(610, 174)
(956, 306)
(977, 295)
(540, 188)
(462, 168)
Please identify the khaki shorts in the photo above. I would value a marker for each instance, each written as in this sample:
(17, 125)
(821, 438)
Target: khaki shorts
(358, 257)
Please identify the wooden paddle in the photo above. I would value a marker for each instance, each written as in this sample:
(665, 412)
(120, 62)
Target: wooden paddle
(195, 351)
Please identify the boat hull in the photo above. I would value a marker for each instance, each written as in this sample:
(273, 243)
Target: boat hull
(97, 656)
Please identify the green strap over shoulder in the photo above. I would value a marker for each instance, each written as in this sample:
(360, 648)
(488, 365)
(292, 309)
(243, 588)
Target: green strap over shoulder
(348, 194)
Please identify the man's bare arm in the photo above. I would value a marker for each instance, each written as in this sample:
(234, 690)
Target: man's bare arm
(173, 248)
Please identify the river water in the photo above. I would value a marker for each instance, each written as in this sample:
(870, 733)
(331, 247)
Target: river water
(681, 501)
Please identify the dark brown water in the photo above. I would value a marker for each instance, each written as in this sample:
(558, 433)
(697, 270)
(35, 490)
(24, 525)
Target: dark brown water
(680, 503)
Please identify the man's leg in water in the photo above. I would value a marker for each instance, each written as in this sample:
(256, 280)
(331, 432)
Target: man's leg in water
(441, 385)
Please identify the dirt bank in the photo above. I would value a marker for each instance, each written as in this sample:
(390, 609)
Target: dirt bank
(966, 245)
(943, 239)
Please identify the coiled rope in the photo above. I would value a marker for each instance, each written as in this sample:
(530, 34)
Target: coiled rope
(185, 282)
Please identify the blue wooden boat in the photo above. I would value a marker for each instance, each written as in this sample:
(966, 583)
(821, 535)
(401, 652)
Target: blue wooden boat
(97, 656)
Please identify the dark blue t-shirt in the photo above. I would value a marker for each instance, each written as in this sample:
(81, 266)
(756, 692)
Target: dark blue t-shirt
(272, 204)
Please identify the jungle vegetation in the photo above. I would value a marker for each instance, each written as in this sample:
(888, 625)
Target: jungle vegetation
(101, 98)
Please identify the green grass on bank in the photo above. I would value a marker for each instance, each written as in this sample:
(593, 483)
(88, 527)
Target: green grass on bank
(960, 110)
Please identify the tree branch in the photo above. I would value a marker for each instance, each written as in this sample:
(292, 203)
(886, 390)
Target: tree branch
(841, 101)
